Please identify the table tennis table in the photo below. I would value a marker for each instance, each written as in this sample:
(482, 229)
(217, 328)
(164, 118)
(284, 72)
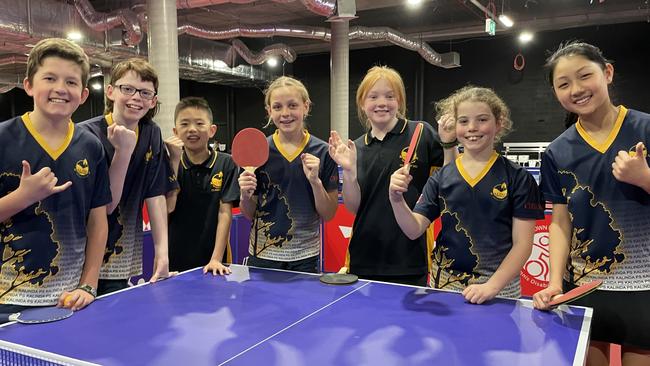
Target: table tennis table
(269, 317)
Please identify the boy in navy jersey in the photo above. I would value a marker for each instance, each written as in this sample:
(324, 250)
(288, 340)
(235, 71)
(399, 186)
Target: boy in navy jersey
(139, 172)
(52, 236)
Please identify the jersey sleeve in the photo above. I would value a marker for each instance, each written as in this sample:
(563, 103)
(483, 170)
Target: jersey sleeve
(161, 173)
(329, 174)
(550, 184)
(230, 183)
(428, 204)
(528, 202)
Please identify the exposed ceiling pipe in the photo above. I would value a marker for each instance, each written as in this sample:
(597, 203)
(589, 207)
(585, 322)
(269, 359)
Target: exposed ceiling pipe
(12, 60)
(104, 21)
(398, 39)
(319, 33)
(50, 18)
(320, 7)
(252, 58)
(256, 31)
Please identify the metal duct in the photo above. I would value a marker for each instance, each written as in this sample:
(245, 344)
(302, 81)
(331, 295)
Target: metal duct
(398, 39)
(252, 58)
(22, 25)
(320, 7)
(105, 21)
(319, 33)
(256, 31)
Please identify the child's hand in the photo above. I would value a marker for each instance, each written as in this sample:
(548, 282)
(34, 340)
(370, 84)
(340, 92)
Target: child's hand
(75, 300)
(632, 168)
(247, 184)
(310, 165)
(543, 297)
(447, 128)
(122, 138)
(343, 154)
(399, 183)
(478, 294)
(216, 267)
(161, 269)
(40, 185)
(175, 147)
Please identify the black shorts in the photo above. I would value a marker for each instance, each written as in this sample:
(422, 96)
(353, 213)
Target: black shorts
(621, 317)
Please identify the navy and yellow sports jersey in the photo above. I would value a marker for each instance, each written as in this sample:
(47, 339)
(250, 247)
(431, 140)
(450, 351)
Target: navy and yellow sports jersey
(193, 224)
(477, 216)
(378, 246)
(149, 175)
(43, 246)
(611, 231)
(286, 225)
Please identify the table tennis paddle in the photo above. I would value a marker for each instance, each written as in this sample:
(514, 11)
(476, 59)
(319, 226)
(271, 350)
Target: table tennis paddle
(413, 145)
(250, 149)
(575, 294)
(37, 315)
(342, 277)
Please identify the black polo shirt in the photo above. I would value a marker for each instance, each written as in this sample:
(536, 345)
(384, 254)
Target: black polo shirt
(193, 224)
(378, 246)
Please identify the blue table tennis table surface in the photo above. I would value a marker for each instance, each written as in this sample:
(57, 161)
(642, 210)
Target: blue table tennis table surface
(269, 317)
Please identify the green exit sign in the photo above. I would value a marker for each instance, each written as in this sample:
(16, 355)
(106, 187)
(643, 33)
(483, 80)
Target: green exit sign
(490, 26)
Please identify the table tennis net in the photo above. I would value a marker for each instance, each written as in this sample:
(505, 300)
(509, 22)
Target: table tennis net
(17, 355)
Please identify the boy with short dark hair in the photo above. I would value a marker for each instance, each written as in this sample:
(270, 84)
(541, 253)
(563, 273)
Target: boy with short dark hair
(201, 212)
(52, 236)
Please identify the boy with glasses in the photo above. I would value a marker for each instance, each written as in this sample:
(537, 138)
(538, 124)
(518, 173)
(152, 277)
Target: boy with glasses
(139, 172)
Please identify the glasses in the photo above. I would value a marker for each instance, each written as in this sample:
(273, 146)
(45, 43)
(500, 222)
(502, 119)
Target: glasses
(144, 93)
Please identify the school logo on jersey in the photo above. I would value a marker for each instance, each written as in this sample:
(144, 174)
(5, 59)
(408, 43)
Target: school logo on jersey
(216, 182)
(81, 168)
(149, 155)
(632, 151)
(414, 158)
(500, 191)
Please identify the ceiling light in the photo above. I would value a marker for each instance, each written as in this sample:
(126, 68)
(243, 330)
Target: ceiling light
(75, 36)
(414, 2)
(525, 37)
(272, 61)
(506, 21)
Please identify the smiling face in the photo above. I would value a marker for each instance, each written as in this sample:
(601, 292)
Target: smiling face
(580, 84)
(287, 110)
(57, 89)
(194, 128)
(129, 109)
(380, 104)
(476, 126)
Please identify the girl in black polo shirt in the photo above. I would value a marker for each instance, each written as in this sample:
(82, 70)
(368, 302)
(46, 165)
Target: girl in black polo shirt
(378, 249)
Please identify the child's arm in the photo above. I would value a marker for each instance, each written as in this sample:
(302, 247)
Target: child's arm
(632, 168)
(247, 200)
(123, 141)
(412, 224)
(223, 231)
(32, 188)
(447, 133)
(175, 149)
(326, 202)
(157, 208)
(97, 232)
(345, 155)
(559, 244)
(522, 244)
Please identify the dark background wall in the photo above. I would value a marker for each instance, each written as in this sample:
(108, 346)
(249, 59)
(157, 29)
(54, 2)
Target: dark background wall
(485, 62)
